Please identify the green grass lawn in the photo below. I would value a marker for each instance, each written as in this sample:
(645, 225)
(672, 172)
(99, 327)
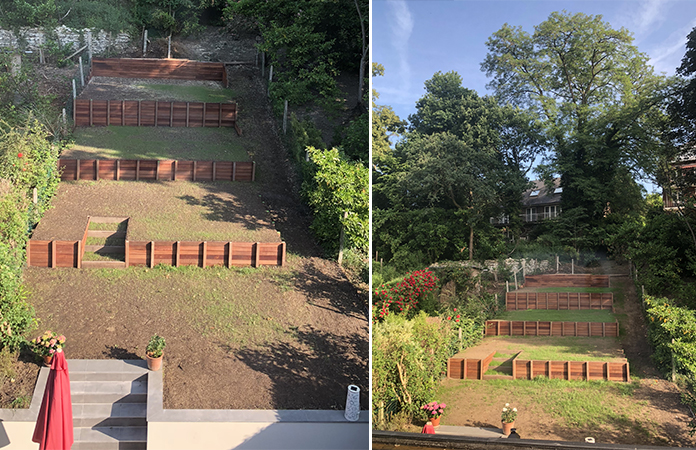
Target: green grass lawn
(566, 348)
(543, 315)
(202, 144)
(193, 93)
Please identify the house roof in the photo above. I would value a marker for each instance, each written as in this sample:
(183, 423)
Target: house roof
(543, 195)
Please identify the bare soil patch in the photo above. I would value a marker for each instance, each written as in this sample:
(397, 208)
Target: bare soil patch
(176, 210)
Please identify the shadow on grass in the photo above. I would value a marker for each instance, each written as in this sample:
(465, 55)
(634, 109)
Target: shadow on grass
(314, 372)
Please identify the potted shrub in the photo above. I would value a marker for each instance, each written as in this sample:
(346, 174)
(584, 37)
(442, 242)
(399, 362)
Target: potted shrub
(47, 345)
(508, 418)
(434, 410)
(154, 352)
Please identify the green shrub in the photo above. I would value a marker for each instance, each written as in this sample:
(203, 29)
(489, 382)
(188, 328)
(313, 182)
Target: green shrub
(409, 357)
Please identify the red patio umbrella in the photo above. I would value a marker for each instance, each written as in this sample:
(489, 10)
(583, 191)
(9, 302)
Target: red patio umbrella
(54, 426)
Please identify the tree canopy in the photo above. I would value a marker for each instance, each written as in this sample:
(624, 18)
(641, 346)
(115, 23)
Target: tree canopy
(597, 98)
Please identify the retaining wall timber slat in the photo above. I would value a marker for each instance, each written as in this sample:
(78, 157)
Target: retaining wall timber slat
(517, 301)
(550, 328)
(566, 280)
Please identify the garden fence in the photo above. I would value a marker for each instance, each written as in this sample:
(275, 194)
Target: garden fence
(468, 368)
(180, 69)
(550, 328)
(571, 370)
(155, 170)
(517, 301)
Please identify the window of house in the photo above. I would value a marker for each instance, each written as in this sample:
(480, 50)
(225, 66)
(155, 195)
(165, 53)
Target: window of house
(550, 212)
(534, 193)
(558, 190)
(531, 214)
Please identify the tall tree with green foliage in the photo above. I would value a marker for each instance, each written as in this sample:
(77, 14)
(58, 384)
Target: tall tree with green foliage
(385, 125)
(598, 100)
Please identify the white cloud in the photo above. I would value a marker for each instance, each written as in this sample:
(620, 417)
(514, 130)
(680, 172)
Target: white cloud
(668, 53)
(401, 25)
(649, 15)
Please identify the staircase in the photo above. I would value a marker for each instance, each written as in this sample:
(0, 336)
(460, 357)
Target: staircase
(110, 251)
(109, 400)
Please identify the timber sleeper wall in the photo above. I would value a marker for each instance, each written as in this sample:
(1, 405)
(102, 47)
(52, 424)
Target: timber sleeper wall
(468, 368)
(539, 328)
(571, 370)
(516, 301)
(180, 69)
(155, 170)
(176, 253)
(137, 113)
(564, 280)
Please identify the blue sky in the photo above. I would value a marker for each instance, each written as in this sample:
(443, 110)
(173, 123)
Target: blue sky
(413, 39)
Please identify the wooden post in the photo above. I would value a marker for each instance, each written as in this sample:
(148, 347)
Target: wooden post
(516, 281)
(674, 365)
(127, 256)
(514, 367)
(74, 96)
(205, 253)
(157, 171)
(82, 74)
(53, 255)
(531, 369)
(480, 364)
(587, 371)
(137, 170)
(617, 327)
(35, 196)
(41, 56)
(123, 113)
(169, 46)
(229, 255)
(257, 255)
(341, 239)
(575, 328)
(524, 269)
(177, 254)
(204, 111)
(234, 170)
(96, 169)
(507, 286)
(572, 266)
(77, 169)
(152, 254)
(28, 252)
(78, 262)
(118, 169)
(285, 118)
(139, 112)
(108, 113)
(194, 170)
(253, 171)
(219, 115)
(175, 167)
(89, 44)
(156, 111)
(214, 171)
(567, 364)
(464, 371)
(171, 114)
(144, 42)
(187, 114)
(90, 113)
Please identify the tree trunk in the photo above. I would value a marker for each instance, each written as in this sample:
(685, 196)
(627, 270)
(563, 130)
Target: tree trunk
(471, 242)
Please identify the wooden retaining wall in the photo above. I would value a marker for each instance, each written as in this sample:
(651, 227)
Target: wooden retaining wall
(180, 69)
(571, 370)
(517, 301)
(565, 280)
(539, 328)
(155, 170)
(151, 113)
(468, 368)
(177, 253)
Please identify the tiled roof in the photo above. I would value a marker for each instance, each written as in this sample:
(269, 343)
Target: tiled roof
(545, 196)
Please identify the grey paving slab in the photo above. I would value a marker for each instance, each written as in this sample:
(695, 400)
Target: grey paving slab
(107, 365)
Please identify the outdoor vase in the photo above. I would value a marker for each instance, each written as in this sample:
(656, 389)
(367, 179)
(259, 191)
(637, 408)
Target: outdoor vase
(54, 425)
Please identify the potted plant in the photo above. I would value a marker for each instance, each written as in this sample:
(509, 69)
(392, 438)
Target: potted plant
(154, 352)
(508, 418)
(434, 410)
(47, 345)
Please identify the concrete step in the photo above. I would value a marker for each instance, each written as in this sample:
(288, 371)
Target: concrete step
(110, 415)
(107, 376)
(103, 264)
(108, 438)
(108, 391)
(105, 234)
(116, 249)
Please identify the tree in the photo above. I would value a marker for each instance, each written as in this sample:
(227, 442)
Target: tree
(597, 98)
(385, 125)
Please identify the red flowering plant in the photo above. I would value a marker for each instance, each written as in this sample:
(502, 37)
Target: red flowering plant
(402, 297)
(48, 344)
(434, 409)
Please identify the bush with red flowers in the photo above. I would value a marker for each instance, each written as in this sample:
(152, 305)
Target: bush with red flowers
(402, 297)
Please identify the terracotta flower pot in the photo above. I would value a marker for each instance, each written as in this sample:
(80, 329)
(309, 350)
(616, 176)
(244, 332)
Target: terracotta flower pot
(507, 428)
(435, 421)
(154, 364)
(47, 360)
